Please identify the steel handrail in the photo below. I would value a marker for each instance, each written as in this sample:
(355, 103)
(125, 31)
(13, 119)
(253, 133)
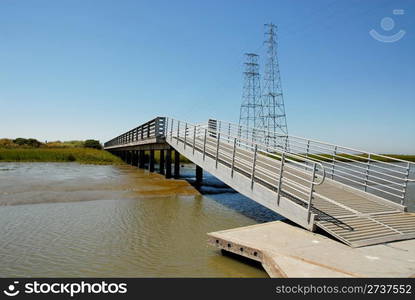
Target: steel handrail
(334, 157)
(265, 146)
(321, 142)
(278, 150)
(251, 145)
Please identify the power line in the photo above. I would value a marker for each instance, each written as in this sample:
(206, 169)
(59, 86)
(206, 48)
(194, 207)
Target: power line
(251, 108)
(274, 118)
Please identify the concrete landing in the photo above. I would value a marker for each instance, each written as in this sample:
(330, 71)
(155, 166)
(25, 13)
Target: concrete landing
(289, 251)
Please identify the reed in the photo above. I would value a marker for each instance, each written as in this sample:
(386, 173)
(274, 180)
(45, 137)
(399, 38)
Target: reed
(80, 155)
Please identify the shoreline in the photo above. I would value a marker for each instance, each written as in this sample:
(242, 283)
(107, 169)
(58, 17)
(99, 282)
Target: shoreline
(65, 155)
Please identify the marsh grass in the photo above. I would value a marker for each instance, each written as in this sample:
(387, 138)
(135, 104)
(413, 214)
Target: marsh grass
(80, 155)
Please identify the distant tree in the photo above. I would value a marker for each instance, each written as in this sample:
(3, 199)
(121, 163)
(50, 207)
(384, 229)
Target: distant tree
(92, 144)
(34, 143)
(20, 141)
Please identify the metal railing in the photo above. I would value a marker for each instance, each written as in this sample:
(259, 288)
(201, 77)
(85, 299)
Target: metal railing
(380, 175)
(152, 129)
(377, 174)
(286, 173)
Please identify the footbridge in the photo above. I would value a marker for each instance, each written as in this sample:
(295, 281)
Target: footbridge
(355, 196)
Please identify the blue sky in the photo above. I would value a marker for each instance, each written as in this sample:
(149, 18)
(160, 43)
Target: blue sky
(93, 69)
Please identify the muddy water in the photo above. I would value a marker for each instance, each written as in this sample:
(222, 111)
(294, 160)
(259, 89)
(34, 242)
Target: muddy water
(80, 220)
(74, 220)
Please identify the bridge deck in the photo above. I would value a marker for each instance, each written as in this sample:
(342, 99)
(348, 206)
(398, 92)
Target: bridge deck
(354, 218)
(292, 182)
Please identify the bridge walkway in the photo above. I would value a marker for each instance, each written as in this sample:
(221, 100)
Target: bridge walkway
(355, 196)
(352, 216)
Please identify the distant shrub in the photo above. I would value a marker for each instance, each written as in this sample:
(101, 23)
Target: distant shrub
(27, 142)
(33, 143)
(7, 143)
(92, 144)
(67, 144)
(20, 141)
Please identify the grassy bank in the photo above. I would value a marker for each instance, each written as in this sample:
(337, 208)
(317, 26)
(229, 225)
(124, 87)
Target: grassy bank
(80, 155)
(404, 157)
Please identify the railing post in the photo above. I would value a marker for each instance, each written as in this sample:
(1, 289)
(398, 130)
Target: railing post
(178, 131)
(171, 129)
(310, 197)
(306, 153)
(204, 144)
(367, 172)
(194, 139)
(185, 135)
(233, 157)
(280, 178)
(156, 127)
(253, 166)
(142, 131)
(266, 140)
(217, 149)
(333, 162)
(212, 127)
(408, 167)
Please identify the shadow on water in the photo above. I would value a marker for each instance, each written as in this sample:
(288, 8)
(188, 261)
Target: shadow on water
(221, 193)
(243, 259)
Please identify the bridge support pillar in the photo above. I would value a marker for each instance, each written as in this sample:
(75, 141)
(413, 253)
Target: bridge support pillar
(168, 163)
(151, 161)
(161, 162)
(199, 175)
(135, 158)
(176, 164)
(141, 159)
(127, 156)
(130, 157)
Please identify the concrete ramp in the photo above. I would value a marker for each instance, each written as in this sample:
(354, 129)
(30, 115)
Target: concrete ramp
(289, 251)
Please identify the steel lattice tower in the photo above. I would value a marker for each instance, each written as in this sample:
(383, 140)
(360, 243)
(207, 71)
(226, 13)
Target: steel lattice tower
(273, 118)
(251, 107)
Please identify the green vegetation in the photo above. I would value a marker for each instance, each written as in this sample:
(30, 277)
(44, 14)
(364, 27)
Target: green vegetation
(94, 144)
(33, 143)
(402, 156)
(31, 150)
(363, 158)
